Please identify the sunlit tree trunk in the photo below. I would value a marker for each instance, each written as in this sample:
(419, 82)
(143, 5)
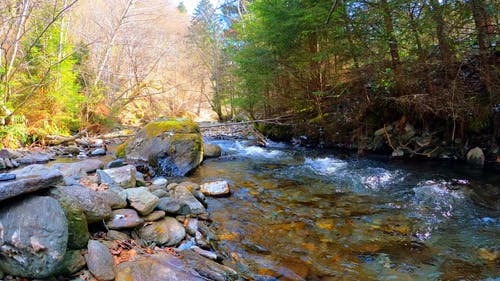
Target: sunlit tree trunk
(19, 32)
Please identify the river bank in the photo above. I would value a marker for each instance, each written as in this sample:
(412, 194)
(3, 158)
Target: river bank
(294, 213)
(102, 218)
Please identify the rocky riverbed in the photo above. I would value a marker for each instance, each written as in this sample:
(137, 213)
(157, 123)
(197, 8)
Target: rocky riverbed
(82, 221)
(105, 220)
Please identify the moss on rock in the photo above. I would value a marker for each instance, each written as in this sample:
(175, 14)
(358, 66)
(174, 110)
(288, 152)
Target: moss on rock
(170, 125)
(171, 146)
(120, 150)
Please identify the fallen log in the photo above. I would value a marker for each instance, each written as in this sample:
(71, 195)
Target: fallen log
(57, 140)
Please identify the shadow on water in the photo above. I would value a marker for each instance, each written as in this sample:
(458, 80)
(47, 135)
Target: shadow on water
(299, 214)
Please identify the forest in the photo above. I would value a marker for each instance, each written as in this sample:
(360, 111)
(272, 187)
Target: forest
(222, 140)
(417, 78)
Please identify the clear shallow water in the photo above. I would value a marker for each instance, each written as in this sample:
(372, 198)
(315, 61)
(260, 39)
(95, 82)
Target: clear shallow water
(301, 214)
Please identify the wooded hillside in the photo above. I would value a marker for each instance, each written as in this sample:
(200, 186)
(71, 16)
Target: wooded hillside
(388, 74)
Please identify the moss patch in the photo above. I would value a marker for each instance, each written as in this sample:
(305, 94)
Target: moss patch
(120, 150)
(172, 125)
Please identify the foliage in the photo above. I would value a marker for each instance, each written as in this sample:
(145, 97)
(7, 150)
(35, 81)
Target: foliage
(336, 63)
(39, 87)
(208, 38)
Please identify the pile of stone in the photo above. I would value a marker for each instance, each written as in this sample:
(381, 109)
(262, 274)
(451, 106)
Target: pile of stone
(67, 220)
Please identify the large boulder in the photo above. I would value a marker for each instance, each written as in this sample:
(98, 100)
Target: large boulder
(29, 179)
(34, 237)
(172, 146)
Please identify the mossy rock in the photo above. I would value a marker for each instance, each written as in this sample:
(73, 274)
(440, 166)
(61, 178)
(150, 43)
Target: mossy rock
(172, 146)
(78, 231)
(170, 125)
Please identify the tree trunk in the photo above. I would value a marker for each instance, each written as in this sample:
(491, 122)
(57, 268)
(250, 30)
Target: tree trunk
(482, 22)
(19, 33)
(444, 46)
(393, 42)
(350, 36)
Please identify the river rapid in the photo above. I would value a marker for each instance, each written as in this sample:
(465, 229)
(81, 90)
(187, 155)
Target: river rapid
(300, 214)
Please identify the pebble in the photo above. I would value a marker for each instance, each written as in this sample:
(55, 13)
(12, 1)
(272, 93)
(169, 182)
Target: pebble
(154, 216)
(205, 253)
(98, 152)
(115, 164)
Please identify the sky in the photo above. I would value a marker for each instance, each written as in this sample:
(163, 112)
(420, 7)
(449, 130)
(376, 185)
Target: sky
(191, 4)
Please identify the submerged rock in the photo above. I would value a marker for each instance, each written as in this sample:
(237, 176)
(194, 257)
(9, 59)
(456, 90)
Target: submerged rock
(208, 268)
(158, 267)
(33, 241)
(172, 146)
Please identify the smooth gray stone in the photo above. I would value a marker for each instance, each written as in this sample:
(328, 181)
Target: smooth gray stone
(34, 241)
(29, 179)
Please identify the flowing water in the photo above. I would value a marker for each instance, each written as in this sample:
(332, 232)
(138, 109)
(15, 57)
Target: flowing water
(297, 214)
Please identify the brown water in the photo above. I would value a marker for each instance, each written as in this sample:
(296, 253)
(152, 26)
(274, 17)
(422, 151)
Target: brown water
(313, 215)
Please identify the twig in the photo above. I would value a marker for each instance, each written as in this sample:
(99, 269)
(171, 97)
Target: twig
(388, 138)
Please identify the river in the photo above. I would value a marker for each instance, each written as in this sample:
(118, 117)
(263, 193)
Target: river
(300, 214)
